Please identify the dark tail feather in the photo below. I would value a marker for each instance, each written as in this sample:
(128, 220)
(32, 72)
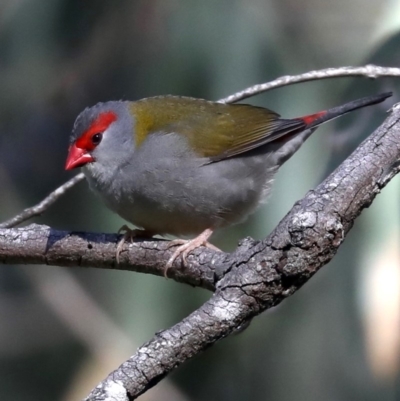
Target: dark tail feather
(314, 120)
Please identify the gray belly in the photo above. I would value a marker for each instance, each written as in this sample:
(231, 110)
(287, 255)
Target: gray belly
(170, 193)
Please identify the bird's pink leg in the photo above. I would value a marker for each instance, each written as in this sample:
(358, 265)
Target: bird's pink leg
(186, 246)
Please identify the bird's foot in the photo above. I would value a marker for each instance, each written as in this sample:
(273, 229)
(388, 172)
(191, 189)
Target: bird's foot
(186, 246)
(130, 235)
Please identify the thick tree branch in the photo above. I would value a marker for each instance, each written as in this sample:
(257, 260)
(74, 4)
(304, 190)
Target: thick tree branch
(259, 275)
(39, 244)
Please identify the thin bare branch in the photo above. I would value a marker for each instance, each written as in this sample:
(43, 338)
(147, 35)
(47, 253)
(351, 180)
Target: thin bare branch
(44, 204)
(368, 71)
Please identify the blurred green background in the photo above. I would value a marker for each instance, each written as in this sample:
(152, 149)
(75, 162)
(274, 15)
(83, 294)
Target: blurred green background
(62, 330)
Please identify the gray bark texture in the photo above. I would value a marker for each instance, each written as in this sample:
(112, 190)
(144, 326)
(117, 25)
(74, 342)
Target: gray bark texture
(257, 276)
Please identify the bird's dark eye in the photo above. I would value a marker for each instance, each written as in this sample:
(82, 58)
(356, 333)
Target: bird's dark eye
(96, 138)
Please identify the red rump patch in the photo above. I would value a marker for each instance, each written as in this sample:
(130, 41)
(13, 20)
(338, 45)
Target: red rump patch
(99, 125)
(312, 117)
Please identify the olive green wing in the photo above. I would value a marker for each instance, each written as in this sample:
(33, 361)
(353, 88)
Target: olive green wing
(214, 130)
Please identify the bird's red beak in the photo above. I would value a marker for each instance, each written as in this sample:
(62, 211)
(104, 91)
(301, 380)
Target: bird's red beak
(77, 157)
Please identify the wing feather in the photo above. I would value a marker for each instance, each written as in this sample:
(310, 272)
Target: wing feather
(214, 130)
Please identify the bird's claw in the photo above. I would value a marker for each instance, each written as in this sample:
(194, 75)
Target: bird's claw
(186, 246)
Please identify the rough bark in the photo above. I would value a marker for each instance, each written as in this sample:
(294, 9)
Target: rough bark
(257, 276)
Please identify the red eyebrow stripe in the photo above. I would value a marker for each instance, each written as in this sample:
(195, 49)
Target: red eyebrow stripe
(100, 124)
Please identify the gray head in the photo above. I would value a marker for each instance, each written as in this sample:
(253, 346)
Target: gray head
(102, 136)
